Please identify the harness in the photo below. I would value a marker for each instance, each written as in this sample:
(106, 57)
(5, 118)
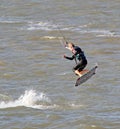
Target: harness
(80, 56)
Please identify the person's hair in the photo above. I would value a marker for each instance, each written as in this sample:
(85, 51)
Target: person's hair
(72, 44)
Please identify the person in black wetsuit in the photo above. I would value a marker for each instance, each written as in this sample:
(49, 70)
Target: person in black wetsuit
(78, 55)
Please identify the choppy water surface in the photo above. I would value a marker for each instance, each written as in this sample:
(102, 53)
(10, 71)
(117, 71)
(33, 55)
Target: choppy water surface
(37, 85)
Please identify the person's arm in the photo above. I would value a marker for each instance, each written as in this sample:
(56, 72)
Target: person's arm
(66, 46)
(69, 58)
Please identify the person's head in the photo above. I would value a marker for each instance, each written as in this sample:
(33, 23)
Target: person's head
(71, 46)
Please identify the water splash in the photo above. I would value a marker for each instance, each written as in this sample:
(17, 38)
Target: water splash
(30, 99)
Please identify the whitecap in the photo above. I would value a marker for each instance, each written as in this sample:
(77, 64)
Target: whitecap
(30, 99)
(51, 37)
(40, 26)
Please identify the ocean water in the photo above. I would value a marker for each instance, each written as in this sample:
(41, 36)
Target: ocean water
(37, 84)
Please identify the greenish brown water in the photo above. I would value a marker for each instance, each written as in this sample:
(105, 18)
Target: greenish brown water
(37, 85)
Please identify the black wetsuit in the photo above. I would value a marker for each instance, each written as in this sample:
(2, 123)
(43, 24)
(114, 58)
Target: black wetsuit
(79, 55)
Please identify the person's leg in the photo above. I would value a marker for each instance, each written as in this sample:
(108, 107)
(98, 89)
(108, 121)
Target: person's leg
(84, 71)
(78, 73)
(79, 68)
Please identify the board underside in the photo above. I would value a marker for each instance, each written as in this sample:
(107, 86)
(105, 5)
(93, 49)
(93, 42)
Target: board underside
(86, 76)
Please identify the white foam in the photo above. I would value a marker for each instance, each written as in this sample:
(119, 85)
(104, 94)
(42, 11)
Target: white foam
(76, 105)
(109, 34)
(83, 29)
(29, 99)
(10, 20)
(41, 26)
(51, 37)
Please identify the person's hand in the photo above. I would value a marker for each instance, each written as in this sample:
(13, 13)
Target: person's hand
(66, 43)
(64, 56)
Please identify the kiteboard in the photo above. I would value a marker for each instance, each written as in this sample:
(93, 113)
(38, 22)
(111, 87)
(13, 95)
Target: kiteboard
(86, 76)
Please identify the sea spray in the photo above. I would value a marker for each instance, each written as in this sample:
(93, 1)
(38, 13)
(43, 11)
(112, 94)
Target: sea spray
(29, 99)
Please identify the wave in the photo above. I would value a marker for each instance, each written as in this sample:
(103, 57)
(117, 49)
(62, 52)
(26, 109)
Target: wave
(109, 34)
(83, 29)
(46, 26)
(35, 100)
(50, 26)
(9, 20)
(51, 37)
(30, 99)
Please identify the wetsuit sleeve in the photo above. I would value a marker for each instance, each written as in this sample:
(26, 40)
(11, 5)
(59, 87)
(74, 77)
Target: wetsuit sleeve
(70, 58)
